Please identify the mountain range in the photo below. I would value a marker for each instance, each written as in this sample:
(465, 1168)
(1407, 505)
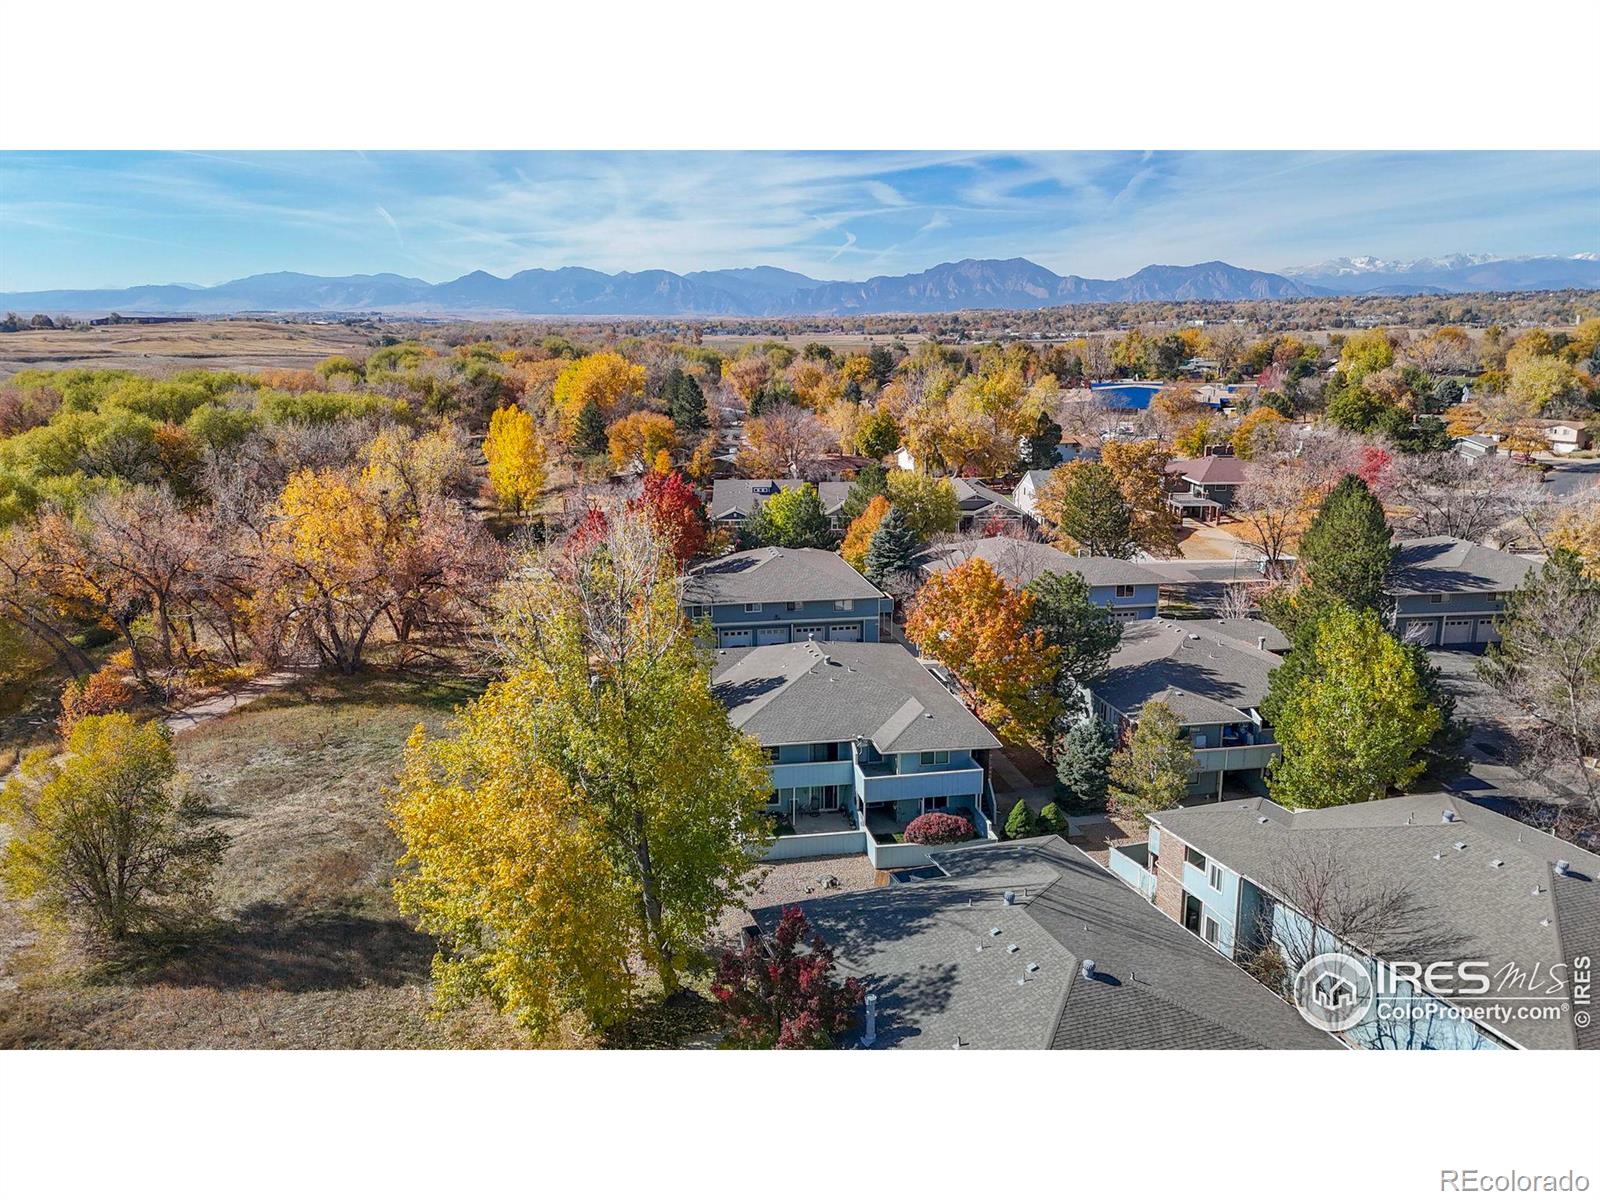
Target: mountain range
(1013, 283)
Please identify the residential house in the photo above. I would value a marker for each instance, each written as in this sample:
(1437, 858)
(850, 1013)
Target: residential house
(1213, 676)
(1204, 488)
(1478, 886)
(862, 739)
(1566, 436)
(1449, 592)
(979, 506)
(733, 500)
(1129, 589)
(1034, 945)
(1026, 494)
(771, 595)
(1477, 445)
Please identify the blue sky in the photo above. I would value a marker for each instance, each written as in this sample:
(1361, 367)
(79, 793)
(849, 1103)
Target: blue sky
(114, 219)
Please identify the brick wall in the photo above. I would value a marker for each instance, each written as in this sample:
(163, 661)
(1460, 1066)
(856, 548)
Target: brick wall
(1169, 877)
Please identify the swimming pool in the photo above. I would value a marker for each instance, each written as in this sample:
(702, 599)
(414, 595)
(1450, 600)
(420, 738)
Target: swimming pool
(1128, 395)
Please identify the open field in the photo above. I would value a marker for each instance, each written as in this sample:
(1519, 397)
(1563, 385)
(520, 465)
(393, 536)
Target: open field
(242, 345)
(308, 950)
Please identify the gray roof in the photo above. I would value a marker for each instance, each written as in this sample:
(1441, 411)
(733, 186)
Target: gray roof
(839, 691)
(973, 497)
(1243, 631)
(1021, 561)
(735, 499)
(927, 950)
(1520, 912)
(1423, 566)
(1203, 671)
(771, 574)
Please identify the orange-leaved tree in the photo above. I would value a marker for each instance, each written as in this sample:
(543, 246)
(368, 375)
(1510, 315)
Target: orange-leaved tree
(975, 623)
(859, 536)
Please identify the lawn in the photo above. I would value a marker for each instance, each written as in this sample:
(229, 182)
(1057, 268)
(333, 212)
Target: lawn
(308, 950)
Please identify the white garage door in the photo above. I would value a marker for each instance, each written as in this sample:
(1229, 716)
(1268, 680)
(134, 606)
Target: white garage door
(734, 637)
(844, 633)
(816, 633)
(1422, 633)
(1458, 631)
(772, 635)
(1486, 630)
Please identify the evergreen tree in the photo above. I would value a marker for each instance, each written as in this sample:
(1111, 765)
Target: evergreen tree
(851, 391)
(1021, 823)
(1084, 634)
(869, 482)
(1039, 446)
(892, 549)
(1346, 550)
(1052, 819)
(882, 359)
(669, 387)
(687, 405)
(1087, 510)
(1083, 764)
(589, 437)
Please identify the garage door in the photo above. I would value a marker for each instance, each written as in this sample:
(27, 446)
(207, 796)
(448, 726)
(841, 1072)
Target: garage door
(844, 633)
(815, 633)
(1422, 633)
(772, 635)
(734, 637)
(1458, 631)
(1486, 630)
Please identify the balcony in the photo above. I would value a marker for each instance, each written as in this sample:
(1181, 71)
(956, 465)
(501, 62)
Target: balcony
(811, 774)
(1131, 864)
(879, 782)
(1236, 758)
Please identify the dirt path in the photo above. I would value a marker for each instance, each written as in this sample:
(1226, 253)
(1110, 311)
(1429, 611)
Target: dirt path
(213, 707)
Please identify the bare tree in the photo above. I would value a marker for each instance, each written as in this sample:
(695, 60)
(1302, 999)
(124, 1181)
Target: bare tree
(1271, 508)
(1445, 495)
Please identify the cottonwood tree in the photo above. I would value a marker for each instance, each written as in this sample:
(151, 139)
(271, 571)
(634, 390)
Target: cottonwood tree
(516, 457)
(785, 443)
(102, 840)
(1547, 663)
(791, 518)
(927, 504)
(1271, 509)
(1446, 495)
(594, 810)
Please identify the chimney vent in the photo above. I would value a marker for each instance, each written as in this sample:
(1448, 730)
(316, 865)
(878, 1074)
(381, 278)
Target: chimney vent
(1261, 642)
(1010, 897)
(1563, 867)
(1449, 816)
(1087, 970)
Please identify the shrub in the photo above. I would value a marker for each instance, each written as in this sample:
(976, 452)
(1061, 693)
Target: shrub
(782, 993)
(939, 829)
(1052, 819)
(99, 694)
(1022, 823)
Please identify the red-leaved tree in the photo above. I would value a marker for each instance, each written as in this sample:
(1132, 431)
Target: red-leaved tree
(675, 512)
(778, 995)
(939, 829)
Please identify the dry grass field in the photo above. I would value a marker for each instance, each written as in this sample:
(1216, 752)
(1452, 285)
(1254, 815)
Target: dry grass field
(308, 950)
(241, 345)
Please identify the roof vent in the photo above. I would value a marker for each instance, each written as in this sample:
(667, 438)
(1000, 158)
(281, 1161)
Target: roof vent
(1032, 967)
(1261, 642)
(1461, 845)
(1537, 890)
(1449, 816)
(1012, 948)
(1438, 856)
(1087, 969)
(1010, 897)
(1262, 820)
(995, 932)
(1545, 921)
(1497, 863)
(1563, 867)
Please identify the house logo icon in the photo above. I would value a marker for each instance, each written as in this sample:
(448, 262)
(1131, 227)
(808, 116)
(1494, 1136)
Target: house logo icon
(1333, 992)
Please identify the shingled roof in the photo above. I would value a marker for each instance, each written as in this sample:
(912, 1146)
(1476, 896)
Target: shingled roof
(839, 691)
(937, 953)
(772, 574)
(1425, 566)
(1213, 469)
(1487, 883)
(736, 499)
(1020, 561)
(1201, 670)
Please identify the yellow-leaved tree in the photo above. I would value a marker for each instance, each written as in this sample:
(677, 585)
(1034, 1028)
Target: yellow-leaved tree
(605, 378)
(859, 536)
(516, 456)
(592, 813)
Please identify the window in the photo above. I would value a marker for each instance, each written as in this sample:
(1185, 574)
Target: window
(752, 608)
(1436, 598)
(772, 753)
(1214, 877)
(939, 803)
(1125, 591)
(935, 758)
(1213, 933)
(1194, 858)
(695, 612)
(844, 605)
(792, 605)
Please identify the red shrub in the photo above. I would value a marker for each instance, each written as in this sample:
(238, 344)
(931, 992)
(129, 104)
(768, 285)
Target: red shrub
(775, 994)
(940, 829)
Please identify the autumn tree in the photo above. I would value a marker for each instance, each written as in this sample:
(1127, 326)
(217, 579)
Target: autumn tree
(674, 512)
(1357, 719)
(1081, 507)
(877, 435)
(605, 379)
(976, 624)
(1270, 507)
(792, 518)
(858, 537)
(1150, 772)
(1260, 432)
(594, 810)
(1577, 531)
(784, 443)
(780, 993)
(1547, 663)
(635, 441)
(516, 456)
(927, 504)
(1139, 470)
(102, 840)
(97, 695)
